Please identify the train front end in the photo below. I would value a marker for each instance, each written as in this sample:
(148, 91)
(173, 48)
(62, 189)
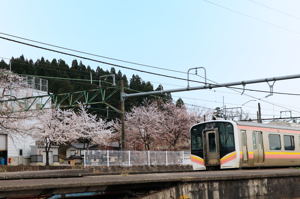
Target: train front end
(214, 145)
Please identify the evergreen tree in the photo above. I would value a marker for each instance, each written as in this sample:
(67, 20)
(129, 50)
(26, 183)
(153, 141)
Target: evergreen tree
(59, 68)
(179, 103)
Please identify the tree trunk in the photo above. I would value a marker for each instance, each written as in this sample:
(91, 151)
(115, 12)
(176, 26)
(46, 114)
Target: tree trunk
(47, 150)
(47, 156)
(147, 146)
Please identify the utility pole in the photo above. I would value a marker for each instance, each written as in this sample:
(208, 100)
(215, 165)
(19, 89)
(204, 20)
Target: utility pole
(122, 117)
(259, 120)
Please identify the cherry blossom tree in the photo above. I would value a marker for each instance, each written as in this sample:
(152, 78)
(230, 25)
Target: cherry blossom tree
(59, 127)
(143, 126)
(11, 120)
(55, 127)
(177, 122)
(157, 126)
(10, 81)
(90, 129)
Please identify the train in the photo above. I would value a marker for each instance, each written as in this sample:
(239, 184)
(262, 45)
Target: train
(222, 144)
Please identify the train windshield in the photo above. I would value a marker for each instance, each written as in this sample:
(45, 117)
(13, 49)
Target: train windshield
(196, 140)
(226, 137)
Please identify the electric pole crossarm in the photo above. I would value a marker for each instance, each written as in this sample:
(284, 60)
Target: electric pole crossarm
(210, 86)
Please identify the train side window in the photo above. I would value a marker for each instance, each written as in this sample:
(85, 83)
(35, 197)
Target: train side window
(254, 140)
(289, 143)
(274, 142)
(244, 138)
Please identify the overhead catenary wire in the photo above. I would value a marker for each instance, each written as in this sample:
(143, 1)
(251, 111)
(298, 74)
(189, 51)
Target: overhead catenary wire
(121, 66)
(88, 80)
(210, 86)
(92, 54)
(95, 80)
(259, 3)
(215, 82)
(252, 17)
(95, 60)
(130, 89)
(71, 70)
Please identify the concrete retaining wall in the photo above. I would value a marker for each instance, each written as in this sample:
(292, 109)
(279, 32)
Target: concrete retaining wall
(264, 188)
(97, 170)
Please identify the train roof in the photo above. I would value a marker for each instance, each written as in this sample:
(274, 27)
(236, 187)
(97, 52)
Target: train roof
(272, 125)
(255, 124)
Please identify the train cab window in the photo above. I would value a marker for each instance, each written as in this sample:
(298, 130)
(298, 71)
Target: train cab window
(197, 142)
(274, 142)
(289, 143)
(226, 135)
(196, 138)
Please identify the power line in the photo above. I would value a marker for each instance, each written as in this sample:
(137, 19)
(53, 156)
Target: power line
(196, 81)
(210, 86)
(95, 60)
(88, 80)
(92, 54)
(125, 67)
(274, 9)
(135, 63)
(263, 91)
(193, 105)
(250, 96)
(130, 89)
(72, 70)
(231, 87)
(250, 16)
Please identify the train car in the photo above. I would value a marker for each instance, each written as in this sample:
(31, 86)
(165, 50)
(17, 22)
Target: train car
(222, 144)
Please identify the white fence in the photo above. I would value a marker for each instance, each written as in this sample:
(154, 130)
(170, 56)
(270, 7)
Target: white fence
(135, 158)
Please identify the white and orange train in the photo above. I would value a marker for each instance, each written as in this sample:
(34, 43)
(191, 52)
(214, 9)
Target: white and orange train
(225, 144)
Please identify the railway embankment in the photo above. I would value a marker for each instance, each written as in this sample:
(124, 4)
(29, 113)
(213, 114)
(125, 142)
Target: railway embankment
(255, 183)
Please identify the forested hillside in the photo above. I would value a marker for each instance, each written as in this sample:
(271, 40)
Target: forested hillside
(72, 74)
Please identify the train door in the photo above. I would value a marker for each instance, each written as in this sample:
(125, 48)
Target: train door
(244, 146)
(258, 147)
(212, 148)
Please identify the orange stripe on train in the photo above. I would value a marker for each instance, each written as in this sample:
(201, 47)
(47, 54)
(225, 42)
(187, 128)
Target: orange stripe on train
(197, 159)
(228, 157)
(250, 155)
(282, 155)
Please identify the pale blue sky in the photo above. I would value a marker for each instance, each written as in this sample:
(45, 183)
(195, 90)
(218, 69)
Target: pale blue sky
(172, 34)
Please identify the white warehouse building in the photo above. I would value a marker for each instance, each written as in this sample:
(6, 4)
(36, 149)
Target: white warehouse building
(19, 149)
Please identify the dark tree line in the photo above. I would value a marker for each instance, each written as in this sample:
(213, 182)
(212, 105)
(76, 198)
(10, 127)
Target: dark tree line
(77, 70)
